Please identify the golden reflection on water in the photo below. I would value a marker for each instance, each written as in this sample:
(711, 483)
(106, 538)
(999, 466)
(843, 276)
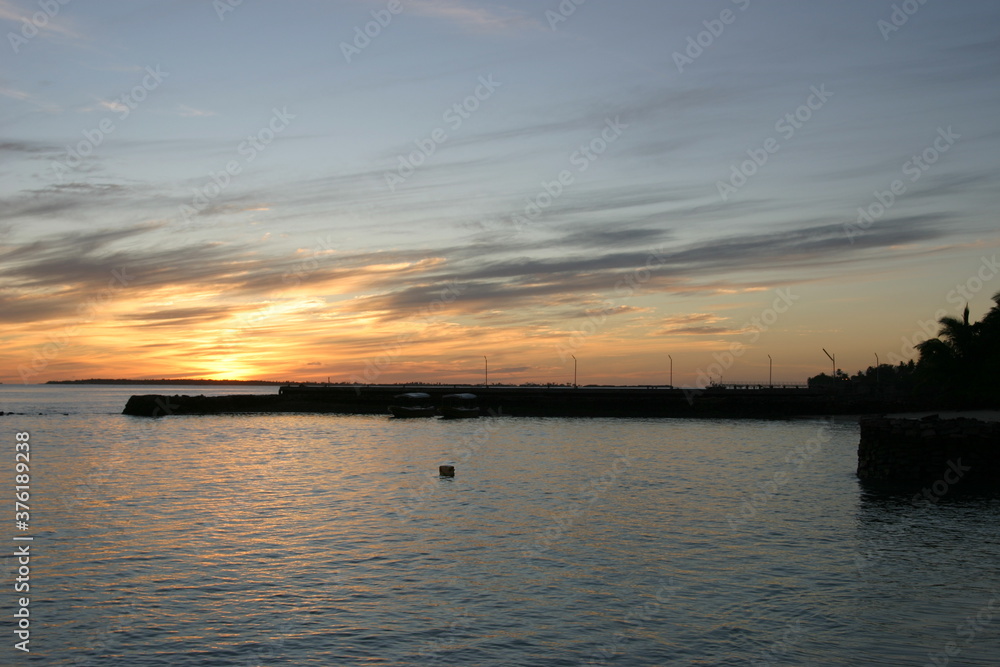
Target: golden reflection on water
(336, 536)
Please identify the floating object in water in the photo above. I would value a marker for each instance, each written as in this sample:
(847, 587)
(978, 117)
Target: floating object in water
(459, 406)
(446, 471)
(413, 404)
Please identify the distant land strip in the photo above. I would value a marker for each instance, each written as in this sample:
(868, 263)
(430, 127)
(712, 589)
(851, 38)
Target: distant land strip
(172, 382)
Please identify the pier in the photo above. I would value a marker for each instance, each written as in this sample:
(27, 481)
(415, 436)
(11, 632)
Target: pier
(532, 401)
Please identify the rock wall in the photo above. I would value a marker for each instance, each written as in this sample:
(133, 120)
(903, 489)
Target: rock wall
(158, 405)
(944, 453)
(537, 401)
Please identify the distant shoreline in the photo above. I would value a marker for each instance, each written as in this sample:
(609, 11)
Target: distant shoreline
(173, 382)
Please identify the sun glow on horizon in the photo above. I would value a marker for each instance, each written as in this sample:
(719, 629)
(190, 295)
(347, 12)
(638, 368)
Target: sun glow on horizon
(577, 216)
(233, 372)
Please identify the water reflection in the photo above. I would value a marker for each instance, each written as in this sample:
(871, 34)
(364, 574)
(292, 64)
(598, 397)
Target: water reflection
(926, 566)
(299, 539)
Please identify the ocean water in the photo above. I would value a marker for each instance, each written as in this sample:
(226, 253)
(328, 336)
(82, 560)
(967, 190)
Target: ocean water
(330, 540)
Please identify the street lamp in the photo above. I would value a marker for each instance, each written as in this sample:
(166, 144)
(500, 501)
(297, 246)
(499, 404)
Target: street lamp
(671, 371)
(876, 368)
(487, 369)
(833, 358)
(574, 369)
(770, 376)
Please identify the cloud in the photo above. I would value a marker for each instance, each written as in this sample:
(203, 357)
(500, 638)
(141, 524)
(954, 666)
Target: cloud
(695, 324)
(597, 237)
(63, 198)
(472, 15)
(703, 331)
(22, 96)
(27, 147)
(523, 281)
(938, 186)
(187, 317)
(55, 26)
(616, 310)
(190, 112)
(487, 279)
(645, 107)
(689, 318)
(51, 277)
(108, 105)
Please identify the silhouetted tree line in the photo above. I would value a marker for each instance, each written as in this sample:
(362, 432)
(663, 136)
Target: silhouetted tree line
(961, 365)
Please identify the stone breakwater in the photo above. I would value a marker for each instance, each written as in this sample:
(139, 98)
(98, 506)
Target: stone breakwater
(524, 401)
(940, 454)
(539, 401)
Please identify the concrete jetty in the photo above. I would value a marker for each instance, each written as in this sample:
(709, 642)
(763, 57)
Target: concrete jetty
(529, 401)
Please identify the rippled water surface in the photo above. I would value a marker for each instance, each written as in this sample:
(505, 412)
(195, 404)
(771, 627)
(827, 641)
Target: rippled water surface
(330, 540)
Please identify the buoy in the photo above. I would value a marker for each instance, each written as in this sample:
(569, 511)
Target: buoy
(447, 471)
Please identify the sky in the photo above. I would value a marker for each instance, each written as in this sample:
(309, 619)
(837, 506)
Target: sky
(389, 191)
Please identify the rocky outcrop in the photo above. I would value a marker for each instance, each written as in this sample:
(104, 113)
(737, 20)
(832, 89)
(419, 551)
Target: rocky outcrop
(157, 405)
(944, 453)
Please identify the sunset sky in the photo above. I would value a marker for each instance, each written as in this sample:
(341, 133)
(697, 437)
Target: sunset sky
(260, 189)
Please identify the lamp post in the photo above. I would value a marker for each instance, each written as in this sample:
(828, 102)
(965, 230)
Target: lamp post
(876, 368)
(574, 370)
(487, 369)
(770, 376)
(671, 371)
(833, 358)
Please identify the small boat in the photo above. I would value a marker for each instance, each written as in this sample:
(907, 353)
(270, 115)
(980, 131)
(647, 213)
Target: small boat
(459, 406)
(415, 404)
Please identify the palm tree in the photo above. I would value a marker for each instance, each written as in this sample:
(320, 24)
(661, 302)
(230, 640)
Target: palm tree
(965, 357)
(958, 343)
(990, 323)
(989, 333)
